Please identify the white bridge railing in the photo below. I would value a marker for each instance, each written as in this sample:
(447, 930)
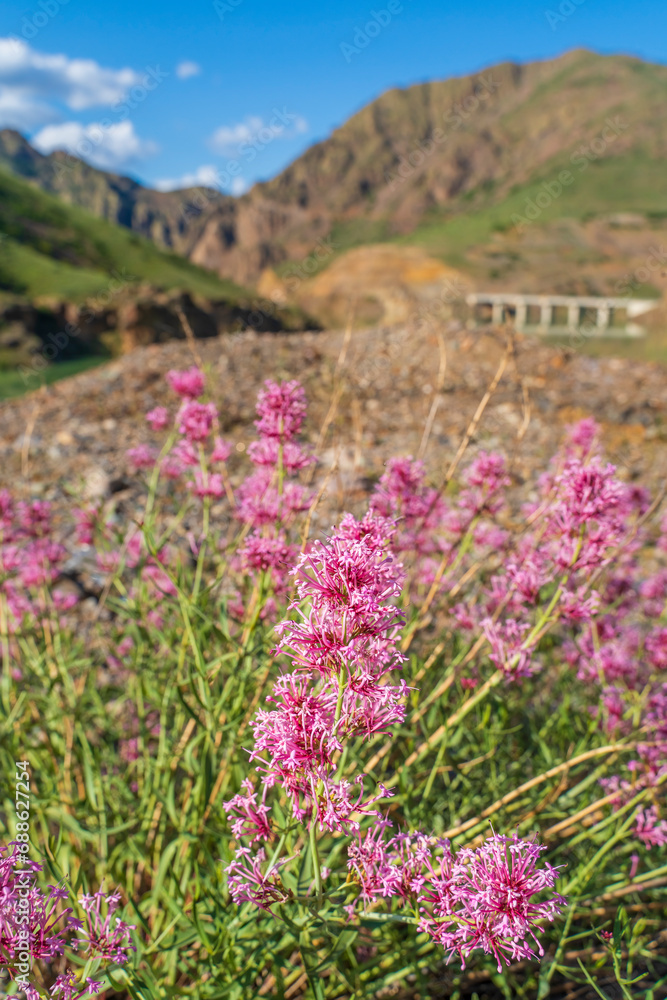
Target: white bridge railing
(559, 313)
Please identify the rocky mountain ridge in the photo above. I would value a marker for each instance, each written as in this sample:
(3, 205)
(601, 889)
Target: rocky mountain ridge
(414, 155)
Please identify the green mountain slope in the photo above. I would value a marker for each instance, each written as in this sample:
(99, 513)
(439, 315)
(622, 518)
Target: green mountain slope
(49, 248)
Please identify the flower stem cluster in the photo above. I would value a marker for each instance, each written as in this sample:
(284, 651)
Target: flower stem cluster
(36, 927)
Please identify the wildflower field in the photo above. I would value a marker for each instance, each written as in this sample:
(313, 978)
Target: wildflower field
(423, 754)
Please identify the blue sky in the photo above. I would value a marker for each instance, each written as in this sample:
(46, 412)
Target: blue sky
(228, 92)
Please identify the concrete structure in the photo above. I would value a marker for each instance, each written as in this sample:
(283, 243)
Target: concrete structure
(587, 315)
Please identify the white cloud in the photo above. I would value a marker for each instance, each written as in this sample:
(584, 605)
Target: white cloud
(108, 148)
(239, 186)
(19, 111)
(232, 140)
(206, 176)
(187, 68)
(29, 78)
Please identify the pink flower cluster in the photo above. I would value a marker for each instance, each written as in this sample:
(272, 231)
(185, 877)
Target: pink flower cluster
(343, 644)
(483, 898)
(195, 422)
(103, 933)
(269, 499)
(34, 926)
(265, 499)
(31, 560)
(342, 648)
(430, 530)
(583, 515)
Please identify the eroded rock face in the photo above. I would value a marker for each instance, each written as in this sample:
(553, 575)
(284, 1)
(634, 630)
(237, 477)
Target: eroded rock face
(59, 331)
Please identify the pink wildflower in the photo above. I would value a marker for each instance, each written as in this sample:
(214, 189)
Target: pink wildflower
(281, 410)
(651, 830)
(509, 650)
(85, 520)
(142, 456)
(158, 418)
(584, 435)
(485, 480)
(252, 818)
(207, 484)
(264, 553)
(104, 934)
(266, 452)
(487, 901)
(188, 384)
(196, 420)
(247, 882)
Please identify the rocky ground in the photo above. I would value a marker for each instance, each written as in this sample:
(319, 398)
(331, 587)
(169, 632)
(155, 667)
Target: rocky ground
(70, 438)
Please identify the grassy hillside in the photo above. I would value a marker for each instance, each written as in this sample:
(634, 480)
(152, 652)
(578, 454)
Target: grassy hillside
(578, 243)
(630, 183)
(12, 383)
(49, 248)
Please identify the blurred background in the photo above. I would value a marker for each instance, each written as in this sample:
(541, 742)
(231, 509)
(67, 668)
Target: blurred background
(302, 168)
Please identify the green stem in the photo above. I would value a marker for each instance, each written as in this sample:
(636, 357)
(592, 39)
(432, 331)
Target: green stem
(342, 676)
(315, 854)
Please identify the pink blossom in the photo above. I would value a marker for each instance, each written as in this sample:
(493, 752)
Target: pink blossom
(651, 830)
(34, 518)
(259, 502)
(196, 420)
(63, 601)
(159, 579)
(485, 479)
(252, 818)
(207, 484)
(263, 553)
(171, 467)
(588, 493)
(46, 924)
(85, 520)
(68, 987)
(486, 900)
(158, 418)
(298, 736)
(248, 883)
(266, 452)
(188, 384)
(583, 435)
(370, 862)
(7, 511)
(103, 933)
(184, 454)
(509, 650)
(142, 456)
(656, 648)
(281, 409)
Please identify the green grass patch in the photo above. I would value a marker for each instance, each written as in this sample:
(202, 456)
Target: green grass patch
(14, 383)
(52, 248)
(632, 183)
